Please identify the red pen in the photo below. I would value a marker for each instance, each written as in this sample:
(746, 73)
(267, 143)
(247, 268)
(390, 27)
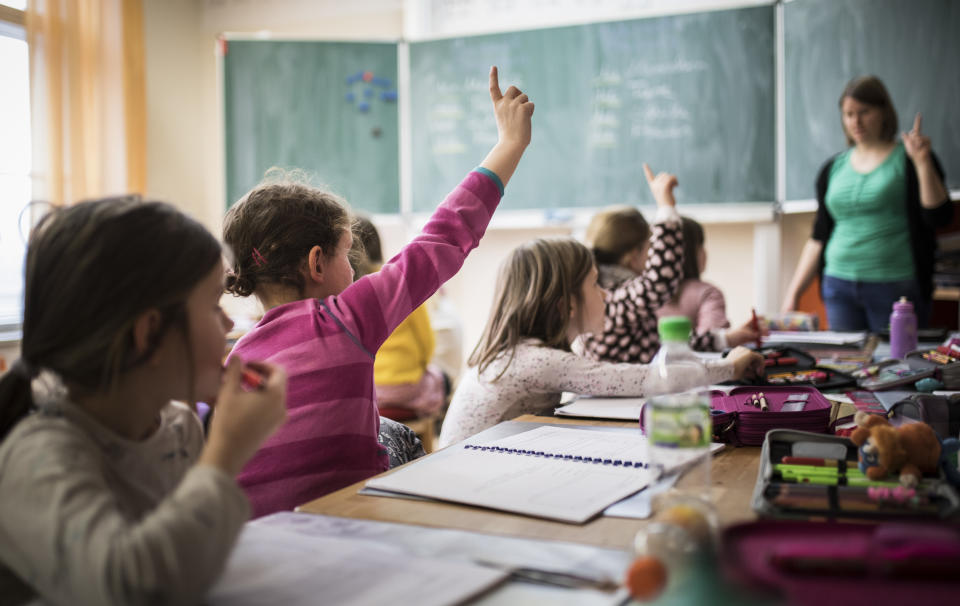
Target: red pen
(756, 326)
(251, 380)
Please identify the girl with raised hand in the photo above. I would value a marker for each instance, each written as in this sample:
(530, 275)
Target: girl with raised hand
(548, 295)
(108, 494)
(642, 272)
(291, 244)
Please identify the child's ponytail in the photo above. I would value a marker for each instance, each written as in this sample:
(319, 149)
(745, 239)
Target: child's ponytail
(16, 396)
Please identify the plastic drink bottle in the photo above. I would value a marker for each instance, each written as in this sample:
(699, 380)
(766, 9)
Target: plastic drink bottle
(677, 414)
(903, 329)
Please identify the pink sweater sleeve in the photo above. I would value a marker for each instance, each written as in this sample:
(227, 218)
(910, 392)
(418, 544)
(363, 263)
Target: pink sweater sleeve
(375, 305)
(712, 311)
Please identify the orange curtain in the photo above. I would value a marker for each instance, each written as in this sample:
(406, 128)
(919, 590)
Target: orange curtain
(88, 98)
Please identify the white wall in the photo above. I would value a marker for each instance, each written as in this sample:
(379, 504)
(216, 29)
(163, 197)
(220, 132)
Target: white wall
(185, 151)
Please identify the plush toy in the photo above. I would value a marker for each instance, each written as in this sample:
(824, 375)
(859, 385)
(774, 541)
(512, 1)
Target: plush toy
(912, 449)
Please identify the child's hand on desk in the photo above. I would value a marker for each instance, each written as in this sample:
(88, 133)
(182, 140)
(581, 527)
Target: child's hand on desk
(746, 364)
(661, 186)
(243, 419)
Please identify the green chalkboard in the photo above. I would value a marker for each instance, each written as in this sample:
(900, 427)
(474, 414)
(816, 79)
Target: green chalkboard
(691, 94)
(329, 108)
(912, 45)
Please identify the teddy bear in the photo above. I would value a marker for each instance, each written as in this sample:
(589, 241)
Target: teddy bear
(912, 449)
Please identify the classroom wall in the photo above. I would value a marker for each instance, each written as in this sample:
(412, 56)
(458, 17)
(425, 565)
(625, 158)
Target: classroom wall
(185, 151)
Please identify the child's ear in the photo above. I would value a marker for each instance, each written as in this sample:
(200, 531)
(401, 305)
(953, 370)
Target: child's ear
(315, 271)
(145, 331)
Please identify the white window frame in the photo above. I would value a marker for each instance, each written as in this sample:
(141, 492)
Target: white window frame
(12, 25)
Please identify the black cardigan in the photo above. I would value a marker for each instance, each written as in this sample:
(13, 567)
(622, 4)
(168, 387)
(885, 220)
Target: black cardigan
(921, 221)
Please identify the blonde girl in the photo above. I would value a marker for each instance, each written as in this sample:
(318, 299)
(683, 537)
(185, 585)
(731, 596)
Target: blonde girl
(547, 295)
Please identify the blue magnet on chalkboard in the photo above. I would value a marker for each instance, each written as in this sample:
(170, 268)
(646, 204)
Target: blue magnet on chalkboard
(368, 92)
(389, 95)
(363, 106)
(350, 97)
(381, 82)
(354, 77)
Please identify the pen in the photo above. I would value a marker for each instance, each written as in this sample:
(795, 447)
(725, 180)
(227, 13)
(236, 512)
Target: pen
(756, 326)
(251, 380)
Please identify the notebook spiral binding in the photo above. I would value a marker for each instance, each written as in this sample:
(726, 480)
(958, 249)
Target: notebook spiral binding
(548, 455)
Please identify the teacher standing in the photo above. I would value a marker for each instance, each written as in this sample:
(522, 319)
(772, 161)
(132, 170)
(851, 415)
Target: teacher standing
(878, 203)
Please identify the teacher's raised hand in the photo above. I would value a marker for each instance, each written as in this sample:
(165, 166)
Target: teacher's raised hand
(916, 144)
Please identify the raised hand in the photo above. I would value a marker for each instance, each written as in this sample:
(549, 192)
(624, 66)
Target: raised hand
(661, 186)
(916, 144)
(513, 110)
(243, 419)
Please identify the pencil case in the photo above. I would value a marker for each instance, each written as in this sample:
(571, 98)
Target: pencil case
(842, 497)
(944, 364)
(815, 563)
(786, 359)
(942, 413)
(891, 374)
(737, 418)
(792, 366)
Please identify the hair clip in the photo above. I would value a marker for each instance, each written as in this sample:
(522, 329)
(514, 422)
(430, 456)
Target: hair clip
(258, 259)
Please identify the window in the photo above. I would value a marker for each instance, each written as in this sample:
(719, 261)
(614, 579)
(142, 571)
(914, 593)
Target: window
(15, 155)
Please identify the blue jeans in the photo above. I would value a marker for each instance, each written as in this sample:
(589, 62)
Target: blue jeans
(868, 305)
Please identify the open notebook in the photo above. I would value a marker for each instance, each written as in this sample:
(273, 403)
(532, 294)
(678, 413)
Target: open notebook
(552, 472)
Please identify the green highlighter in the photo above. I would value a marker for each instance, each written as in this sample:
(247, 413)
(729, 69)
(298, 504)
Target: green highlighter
(818, 471)
(835, 479)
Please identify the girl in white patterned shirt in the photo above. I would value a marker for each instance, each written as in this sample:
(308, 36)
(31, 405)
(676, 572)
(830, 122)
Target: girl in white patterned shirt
(547, 295)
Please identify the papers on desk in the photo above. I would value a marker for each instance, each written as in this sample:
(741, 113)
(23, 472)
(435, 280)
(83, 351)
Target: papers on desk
(625, 409)
(822, 337)
(584, 571)
(552, 472)
(619, 408)
(277, 565)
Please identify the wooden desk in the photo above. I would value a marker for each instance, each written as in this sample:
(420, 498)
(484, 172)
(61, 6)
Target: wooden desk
(733, 473)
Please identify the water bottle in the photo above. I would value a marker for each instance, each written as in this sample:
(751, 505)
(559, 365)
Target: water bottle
(903, 329)
(681, 537)
(677, 414)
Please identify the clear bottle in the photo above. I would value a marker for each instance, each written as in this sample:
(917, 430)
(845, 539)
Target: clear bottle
(677, 415)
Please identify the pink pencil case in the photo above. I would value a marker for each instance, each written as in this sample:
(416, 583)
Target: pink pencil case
(737, 420)
(820, 563)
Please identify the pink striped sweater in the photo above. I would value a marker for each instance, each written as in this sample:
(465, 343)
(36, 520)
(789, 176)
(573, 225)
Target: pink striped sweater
(328, 346)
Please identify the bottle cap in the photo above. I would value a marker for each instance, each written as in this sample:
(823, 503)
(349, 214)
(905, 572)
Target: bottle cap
(674, 328)
(903, 305)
